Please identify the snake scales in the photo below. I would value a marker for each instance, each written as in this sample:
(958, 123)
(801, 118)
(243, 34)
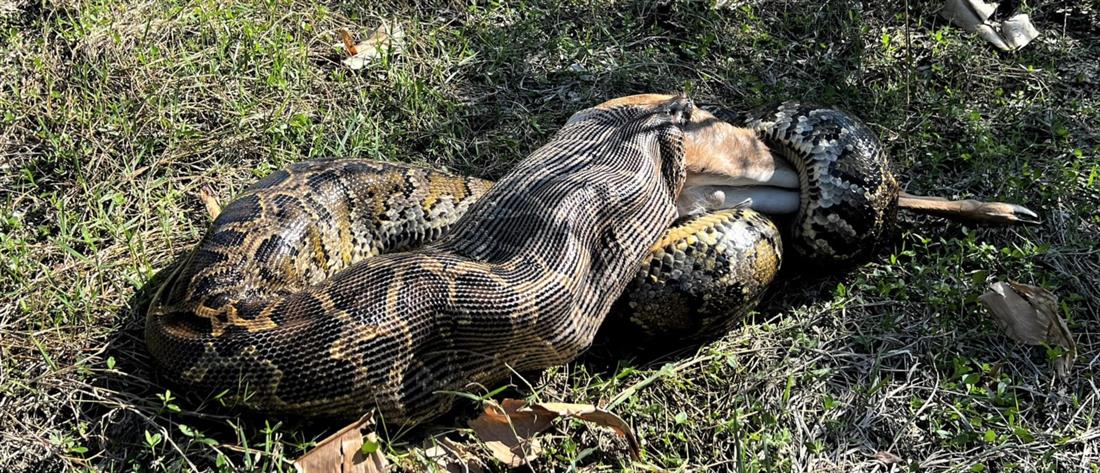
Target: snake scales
(335, 287)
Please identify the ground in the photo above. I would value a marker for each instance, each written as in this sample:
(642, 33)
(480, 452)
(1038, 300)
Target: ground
(115, 113)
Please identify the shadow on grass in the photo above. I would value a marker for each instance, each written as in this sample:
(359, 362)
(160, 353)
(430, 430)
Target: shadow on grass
(141, 407)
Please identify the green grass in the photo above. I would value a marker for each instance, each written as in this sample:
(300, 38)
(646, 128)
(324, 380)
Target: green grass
(114, 113)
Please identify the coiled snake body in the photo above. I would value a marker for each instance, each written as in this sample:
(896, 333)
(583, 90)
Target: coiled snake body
(335, 287)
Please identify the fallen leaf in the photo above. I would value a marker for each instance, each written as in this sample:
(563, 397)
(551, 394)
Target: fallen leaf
(344, 452)
(595, 415)
(384, 38)
(349, 42)
(508, 433)
(887, 458)
(1029, 314)
(508, 429)
(213, 208)
(452, 457)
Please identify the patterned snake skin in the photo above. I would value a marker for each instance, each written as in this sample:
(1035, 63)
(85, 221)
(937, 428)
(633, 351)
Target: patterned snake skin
(336, 287)
(848, 194)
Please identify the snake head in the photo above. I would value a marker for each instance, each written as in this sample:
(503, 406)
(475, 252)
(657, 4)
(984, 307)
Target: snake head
(725, 165)
(666, 114)
(679, 108)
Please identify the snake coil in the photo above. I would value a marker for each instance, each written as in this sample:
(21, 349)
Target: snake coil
(338, 286)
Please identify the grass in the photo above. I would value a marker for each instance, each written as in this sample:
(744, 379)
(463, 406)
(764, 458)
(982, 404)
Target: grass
(114, 113)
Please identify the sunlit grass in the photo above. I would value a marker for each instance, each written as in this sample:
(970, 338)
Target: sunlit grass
(113, 114)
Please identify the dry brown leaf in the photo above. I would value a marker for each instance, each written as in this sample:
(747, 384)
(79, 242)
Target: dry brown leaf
(349, 42)
(595, 415)
(1029, 314)
(508, 433)
(508, 429)
(453, 457)
(342, 452)
(887, 458)
(384, 38)
(213, 208)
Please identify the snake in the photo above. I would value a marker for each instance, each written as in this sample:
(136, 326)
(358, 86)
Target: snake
(337, 287)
